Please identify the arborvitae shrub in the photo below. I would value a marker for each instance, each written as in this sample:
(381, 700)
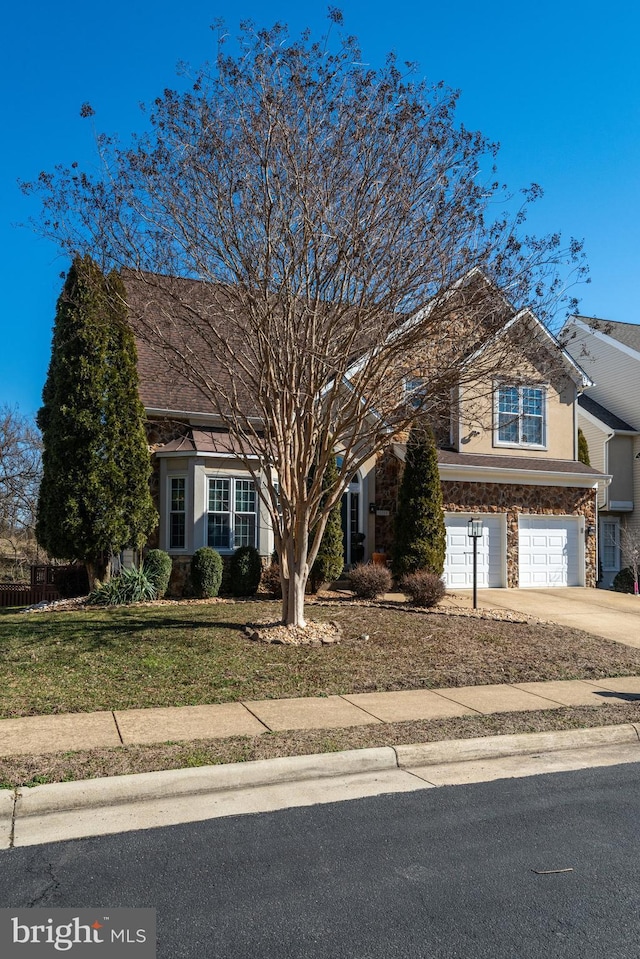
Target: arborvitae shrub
(583, 448)
(206, 572)
(423, 588)
(329, 562)
(369, 580)
(94, 497)
(158, 565)
(245, 570)
(419, 536)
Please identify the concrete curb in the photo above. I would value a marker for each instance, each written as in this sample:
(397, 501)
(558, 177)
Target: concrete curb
(144, 787)
(495, 747)
(174, 783)
(62, 811)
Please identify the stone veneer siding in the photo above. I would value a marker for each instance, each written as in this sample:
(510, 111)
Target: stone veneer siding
(388, 474)
(464, 497)
(515, 500)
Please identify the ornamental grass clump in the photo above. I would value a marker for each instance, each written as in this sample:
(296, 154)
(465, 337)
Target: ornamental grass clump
(206, 572)
(423, 588)
(157, 567)
(131, 585)
(369, 580)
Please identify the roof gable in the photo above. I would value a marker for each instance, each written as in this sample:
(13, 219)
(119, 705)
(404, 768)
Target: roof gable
(626, 333)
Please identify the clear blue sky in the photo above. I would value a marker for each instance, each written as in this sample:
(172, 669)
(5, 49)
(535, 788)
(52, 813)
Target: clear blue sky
(556, 83)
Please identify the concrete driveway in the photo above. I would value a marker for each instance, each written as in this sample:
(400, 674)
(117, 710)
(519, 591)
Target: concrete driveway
(602, 612)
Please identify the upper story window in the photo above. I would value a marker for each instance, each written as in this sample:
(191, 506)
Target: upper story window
(521, 416)
(177, 512)
(415, 391)
(231, 520)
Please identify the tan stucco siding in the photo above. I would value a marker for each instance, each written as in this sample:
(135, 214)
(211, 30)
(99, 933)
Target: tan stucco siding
(478, 420)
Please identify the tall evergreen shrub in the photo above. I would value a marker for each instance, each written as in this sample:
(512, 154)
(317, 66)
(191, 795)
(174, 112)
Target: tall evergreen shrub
(94, 497)
(329, 562)
(420, 537)
(583, 448)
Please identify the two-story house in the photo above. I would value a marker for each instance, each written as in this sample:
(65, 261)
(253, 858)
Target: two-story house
(609, 416)
(508, 455)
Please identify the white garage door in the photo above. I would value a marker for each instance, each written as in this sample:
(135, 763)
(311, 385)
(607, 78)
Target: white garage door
(458, 567)
(549, 551)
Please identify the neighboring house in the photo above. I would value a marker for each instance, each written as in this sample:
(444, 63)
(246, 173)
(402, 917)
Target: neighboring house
(508, 454)
(610, 419)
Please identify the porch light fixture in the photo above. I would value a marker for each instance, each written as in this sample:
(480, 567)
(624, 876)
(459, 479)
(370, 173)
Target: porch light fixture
(474, 531)
(590, 529)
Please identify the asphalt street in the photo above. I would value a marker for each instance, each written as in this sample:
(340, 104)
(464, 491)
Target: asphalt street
(461, 871)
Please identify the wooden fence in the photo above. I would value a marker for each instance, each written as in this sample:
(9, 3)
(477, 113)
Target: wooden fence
(19, 594)
(43, 587)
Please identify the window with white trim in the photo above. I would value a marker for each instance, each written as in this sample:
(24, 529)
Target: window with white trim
(231, 513)
(520, 416)
(177, 512)
(610, 546)
(415, 391)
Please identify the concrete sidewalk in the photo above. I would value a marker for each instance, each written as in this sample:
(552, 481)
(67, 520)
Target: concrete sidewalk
(80, 731)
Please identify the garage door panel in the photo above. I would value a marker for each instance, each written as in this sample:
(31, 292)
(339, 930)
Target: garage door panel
(458, 571)
(549, 551)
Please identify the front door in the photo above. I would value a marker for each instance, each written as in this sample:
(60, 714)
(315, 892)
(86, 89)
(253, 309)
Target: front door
(353, 538)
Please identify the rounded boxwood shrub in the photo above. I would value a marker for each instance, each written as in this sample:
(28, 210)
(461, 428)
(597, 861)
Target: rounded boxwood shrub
(369, 580)
(245, 570)
(423, 588)
(158, 565)
(623, 583)
(206, 572)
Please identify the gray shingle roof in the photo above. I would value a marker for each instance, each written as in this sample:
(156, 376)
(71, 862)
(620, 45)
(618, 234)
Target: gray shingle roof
(450, 458)
(626, 333)
(498, 461)
(605, 416)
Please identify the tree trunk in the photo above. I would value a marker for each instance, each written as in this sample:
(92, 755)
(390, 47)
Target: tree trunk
(293, 599)
(98, 570)
(294, 571)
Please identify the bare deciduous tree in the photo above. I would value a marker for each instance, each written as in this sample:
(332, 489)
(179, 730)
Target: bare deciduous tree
(630, 551)
(338, 218)
(20, 472)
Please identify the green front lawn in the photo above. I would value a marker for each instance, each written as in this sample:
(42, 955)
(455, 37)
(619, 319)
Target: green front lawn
(189, 654)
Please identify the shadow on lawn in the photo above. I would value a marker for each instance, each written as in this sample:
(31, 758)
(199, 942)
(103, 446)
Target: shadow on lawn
(99, 633)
